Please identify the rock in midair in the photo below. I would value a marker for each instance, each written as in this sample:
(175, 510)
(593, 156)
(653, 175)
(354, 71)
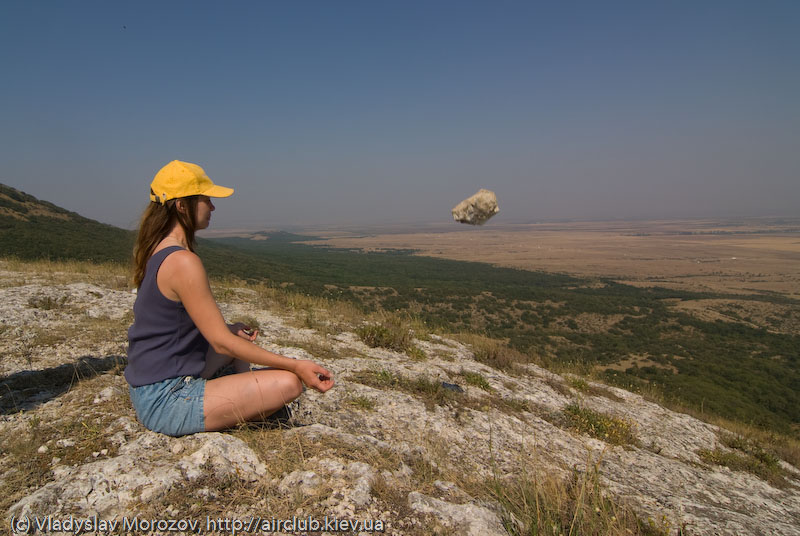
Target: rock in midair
(476, 210)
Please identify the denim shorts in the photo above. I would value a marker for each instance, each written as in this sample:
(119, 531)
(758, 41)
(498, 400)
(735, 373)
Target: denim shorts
(173, 407)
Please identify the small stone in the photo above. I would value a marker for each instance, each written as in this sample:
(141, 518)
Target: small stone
(95, 454)
(65, 443)
(43, 449)
(104, 452)
(104, 395)
(303, 481)
(177, 448)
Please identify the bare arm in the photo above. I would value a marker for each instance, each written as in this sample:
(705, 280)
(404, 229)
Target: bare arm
(185, 276)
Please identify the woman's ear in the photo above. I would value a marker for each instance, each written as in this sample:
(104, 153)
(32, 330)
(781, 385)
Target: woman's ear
(180, 206)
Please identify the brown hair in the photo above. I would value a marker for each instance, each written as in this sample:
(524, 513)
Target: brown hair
(156, 223)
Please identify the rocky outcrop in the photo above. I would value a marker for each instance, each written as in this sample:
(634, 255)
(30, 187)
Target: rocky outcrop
(386, 443)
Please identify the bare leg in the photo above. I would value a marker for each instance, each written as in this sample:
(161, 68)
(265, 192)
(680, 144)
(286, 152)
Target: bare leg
(252, 395)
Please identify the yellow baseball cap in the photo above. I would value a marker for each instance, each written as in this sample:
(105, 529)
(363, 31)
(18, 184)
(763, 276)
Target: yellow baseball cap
(182, 179)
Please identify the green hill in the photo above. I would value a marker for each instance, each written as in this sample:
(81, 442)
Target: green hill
(35, 229)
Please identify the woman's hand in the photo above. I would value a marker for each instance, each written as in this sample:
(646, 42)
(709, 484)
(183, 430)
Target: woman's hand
(244, 331)
(313, 375)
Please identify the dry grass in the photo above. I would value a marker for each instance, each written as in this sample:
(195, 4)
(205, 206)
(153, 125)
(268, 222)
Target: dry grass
(583, 386)
(746, 455)
(434, 393)
(543, 504)
(320, 349)
(783, 446)
(492, 352)
(287, 452)
(39, 341)
(430, 392)
(361, 402)
(391, 335)
(110, 275)
(321, 314)
(85, 425)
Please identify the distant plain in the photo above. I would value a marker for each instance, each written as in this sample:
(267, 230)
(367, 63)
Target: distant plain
(740, 257)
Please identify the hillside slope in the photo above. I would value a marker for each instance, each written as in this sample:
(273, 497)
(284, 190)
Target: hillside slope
(394, 441)
(31, 229)
(35, 229)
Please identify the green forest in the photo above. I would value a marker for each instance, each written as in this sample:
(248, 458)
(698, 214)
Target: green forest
(729, 369)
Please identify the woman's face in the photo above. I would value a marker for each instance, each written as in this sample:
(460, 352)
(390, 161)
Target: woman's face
(204, 209)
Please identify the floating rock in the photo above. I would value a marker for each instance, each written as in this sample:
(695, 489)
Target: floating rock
(476, 210)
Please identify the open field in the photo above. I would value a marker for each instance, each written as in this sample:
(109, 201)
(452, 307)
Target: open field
(743, 257)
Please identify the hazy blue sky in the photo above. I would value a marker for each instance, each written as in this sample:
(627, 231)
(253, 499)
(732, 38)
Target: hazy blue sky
(333, 112)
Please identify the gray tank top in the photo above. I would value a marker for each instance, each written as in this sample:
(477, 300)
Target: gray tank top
(163, 342)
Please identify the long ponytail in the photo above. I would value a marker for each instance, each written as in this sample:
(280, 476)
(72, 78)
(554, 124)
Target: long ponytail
(157, 222)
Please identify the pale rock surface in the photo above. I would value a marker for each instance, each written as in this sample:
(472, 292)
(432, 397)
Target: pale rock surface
(470, 519)
(662, 478)
(477, 209)
(143, 470)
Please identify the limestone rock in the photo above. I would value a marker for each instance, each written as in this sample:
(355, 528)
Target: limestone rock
(299, 481)
(476, 210)
(141, 472)
(473, 520)
(227, 455)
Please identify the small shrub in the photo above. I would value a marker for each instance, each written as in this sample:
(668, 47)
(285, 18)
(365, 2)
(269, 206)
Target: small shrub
(361, 402)
(431, 392)
(48, 303)
(476, 379)
(416, 353)
(614, 430)
(558, 386)
(512, 406)
(391, 335)
(493, 352)
(247, 321)
(579, 384)
(751, 458)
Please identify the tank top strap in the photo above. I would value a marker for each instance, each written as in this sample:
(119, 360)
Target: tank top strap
(157, 259)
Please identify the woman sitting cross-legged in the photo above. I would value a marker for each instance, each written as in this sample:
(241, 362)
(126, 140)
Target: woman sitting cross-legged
(179, 339)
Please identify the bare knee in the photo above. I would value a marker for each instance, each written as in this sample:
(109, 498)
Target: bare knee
(291, 386)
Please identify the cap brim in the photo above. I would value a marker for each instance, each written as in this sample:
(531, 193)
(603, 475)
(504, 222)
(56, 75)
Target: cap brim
(218, 191)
